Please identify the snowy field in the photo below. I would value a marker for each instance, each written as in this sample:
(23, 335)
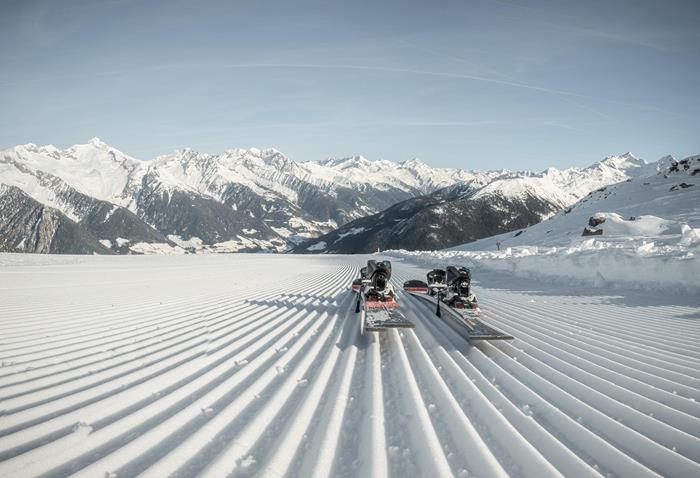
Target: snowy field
(253, 365)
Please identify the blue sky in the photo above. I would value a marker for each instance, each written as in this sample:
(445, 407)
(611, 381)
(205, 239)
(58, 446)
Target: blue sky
(472, 83)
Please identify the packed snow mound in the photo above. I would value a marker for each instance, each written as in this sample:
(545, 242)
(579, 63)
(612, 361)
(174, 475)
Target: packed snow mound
(647, 265)
(690, 236)
(615, 225)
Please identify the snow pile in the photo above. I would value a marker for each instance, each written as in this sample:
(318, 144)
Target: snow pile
(591, 263)
(690, 236)
(646, 225)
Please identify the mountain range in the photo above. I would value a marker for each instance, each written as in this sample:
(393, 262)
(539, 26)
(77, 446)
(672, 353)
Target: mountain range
(472, 210)
(93, 198)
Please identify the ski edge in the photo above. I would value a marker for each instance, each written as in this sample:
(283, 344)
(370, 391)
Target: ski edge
(498, 335)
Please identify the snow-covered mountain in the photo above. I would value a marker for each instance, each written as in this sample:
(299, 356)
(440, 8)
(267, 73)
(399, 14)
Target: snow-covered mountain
(243, 199)
(480, 205)
(643, 232)
(652, 206)
(259, 199)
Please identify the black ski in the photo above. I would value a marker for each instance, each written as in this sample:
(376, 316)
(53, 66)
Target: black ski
(463, 321)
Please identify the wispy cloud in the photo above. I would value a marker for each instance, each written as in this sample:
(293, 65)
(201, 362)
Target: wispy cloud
(616, 36)
(566, 95)
(443, 55)
(445, 74)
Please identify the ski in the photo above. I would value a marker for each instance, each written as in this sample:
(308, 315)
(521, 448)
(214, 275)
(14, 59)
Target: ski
(376, 301)
(450, 291)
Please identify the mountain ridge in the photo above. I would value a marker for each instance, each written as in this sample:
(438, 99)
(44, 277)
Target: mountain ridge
(254, 199)
(466, 212)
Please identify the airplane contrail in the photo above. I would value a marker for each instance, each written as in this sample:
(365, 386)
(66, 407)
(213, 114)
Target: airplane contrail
(390, 69)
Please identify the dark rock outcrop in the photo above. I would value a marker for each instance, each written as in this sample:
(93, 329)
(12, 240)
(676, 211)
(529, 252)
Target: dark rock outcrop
(592, 231)
(595, 221)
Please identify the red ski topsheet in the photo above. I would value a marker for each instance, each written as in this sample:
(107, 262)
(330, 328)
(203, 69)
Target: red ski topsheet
(421, 290)
(376, 304)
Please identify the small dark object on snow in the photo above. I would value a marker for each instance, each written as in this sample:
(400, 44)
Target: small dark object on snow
(518, 233)
(592, 231)
(695, 171)
(567, 210)
(594, 221)
(681, 185)
(633, 218)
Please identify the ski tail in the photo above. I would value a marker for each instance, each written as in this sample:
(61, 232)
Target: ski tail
(463, 320)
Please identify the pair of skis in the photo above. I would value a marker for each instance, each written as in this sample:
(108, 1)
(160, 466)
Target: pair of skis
(378, 315)
(463, 316)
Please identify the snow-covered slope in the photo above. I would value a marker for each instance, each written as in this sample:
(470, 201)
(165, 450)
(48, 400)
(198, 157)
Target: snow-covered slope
(650, 205)
(643, 232)
(254, 365)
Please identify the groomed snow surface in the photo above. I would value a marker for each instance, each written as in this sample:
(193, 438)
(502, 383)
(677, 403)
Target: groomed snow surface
(253, 365)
